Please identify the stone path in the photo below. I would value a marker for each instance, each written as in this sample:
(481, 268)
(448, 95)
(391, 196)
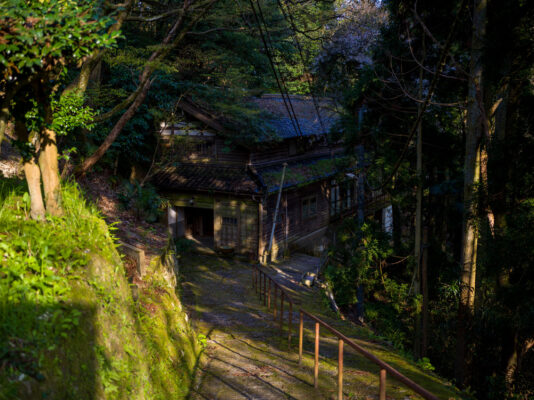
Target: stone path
(246, 357)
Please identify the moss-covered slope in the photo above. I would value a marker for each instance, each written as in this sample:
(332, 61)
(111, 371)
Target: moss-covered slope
(69, 327)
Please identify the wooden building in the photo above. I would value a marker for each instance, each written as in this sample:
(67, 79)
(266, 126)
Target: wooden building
(225, 195)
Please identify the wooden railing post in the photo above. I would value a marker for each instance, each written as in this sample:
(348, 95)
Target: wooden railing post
(301, 329)
(265, 289)
(340, 370)
(275, 302)
(289, 323)
(259, 283)
(269, 296)
(316, 367)
(382, 389)
(282, 311)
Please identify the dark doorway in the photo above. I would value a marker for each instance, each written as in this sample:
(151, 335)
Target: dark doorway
(198, 222)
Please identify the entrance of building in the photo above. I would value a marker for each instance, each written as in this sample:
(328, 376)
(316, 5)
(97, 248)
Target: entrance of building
(198, 223)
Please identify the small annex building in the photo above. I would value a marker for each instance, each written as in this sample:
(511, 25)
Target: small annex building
(224, 194)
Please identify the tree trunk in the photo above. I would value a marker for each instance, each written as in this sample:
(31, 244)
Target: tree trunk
(119, 126)
(50, 172)
(33, 176)
(471, 180)
(174, 36)
(4, 118)
(424, 285)
(419, 213)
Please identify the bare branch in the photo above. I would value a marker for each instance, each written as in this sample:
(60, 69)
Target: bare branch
(155, 17)
(431, 36)
(216, 30)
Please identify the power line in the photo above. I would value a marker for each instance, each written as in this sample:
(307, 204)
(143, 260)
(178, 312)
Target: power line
(281, 86)
(289, 18)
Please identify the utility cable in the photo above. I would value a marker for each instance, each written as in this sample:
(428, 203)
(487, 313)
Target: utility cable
(289, 18)
(268, 53)
(285, 92)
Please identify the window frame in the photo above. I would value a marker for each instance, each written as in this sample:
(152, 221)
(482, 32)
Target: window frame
(305, 204)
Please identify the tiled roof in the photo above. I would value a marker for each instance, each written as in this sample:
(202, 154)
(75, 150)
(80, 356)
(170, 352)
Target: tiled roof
(305, 111)
(205, 178)
(300, 173)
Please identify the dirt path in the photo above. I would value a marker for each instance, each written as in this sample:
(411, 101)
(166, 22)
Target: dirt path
(247, 358)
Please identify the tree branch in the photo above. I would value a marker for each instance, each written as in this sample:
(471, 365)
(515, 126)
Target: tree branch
(155, 17)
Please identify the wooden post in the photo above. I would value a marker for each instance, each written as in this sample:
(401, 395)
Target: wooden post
(275, 297)
(282, 311)
(316, 368)
(301, 329)
(340, 370)
(289, 323)
(382, 392)
(259, 281)
(269, 296)
(265, 289)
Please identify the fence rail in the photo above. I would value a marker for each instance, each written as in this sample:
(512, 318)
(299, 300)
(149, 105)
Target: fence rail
(264, 285)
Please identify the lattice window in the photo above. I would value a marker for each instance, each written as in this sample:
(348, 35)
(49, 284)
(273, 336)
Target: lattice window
(309, 207)
(229, 231)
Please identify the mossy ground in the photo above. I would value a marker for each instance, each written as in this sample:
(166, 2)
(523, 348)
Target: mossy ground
(69, 327)
(247, 356)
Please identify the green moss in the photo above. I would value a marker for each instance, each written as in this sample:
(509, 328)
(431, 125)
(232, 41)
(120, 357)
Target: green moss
(69, 327)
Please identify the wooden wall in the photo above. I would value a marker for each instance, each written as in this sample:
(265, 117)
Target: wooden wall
(291, 224)
(203, 149)
(245, 212)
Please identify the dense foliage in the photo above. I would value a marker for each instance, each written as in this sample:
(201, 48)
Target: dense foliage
(389, 83)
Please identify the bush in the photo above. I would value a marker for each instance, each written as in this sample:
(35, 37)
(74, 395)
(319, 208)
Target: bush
(143, 200)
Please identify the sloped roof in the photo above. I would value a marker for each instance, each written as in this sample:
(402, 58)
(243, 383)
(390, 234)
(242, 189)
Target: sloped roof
(311, 120)
(314, 118)
(206, 178)
(300, 173)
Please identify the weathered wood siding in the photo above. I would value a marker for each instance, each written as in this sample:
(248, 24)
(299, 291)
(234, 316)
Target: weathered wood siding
(228, 153)
(203, 149)
(291, 224)
(245, 237)
(245, 212)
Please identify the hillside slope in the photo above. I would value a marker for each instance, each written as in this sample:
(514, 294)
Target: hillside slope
(69, 327)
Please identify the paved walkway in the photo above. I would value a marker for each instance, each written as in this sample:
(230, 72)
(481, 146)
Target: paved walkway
(246, 357)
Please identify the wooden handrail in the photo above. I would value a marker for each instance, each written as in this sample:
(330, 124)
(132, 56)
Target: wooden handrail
(371, 357)
(259, 283)
(264, 291)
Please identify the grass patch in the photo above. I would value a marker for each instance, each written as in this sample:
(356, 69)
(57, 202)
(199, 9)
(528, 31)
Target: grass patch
(69, 327)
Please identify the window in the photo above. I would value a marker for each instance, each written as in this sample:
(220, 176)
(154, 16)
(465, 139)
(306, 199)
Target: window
(229, 231)
(309, 207)
(204, 148)
(229, 221)
(335, 200)
(342, 196)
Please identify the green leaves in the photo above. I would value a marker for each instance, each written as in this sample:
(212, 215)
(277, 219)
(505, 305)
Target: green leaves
(70, 113)
(45, 36)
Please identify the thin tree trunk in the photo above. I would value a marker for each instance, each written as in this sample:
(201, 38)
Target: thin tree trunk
(4, 118)
(471, 180)
(424, 284)
(33, 176)
(123, 120)
(419, 214)
(174, 37)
